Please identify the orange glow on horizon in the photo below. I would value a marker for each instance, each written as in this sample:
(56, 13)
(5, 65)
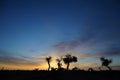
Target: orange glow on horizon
(44, 66)
(41, 67)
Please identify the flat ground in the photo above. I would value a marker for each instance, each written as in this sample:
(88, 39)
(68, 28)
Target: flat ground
(59, 75)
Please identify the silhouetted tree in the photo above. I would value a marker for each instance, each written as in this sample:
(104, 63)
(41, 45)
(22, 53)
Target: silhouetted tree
(68, 59)
(59, 63)
(48, 59)
(106, 62)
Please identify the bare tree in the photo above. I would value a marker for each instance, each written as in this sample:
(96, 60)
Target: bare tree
(48, 59)
(68, 59)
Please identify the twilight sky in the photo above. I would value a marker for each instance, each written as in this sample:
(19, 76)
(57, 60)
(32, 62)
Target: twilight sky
(31, 30)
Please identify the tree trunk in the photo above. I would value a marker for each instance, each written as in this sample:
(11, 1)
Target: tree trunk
(68, 66)
(109, 68)
(48, 66)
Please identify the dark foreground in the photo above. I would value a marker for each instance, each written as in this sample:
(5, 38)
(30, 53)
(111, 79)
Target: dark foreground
(59, 75)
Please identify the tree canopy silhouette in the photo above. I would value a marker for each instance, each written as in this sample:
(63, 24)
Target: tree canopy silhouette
(48, 59)
(68, 59)
(106, 62)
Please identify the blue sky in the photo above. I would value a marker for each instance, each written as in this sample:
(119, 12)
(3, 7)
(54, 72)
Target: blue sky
(33, 28)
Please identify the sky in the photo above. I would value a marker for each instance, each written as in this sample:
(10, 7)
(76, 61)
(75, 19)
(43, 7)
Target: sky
(31, 30)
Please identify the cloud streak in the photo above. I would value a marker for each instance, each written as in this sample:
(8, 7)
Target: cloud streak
(16, 61)
(90, 45)
(70, 45)
(10, 59)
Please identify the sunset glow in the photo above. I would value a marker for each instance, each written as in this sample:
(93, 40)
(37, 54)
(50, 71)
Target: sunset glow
(31, 30)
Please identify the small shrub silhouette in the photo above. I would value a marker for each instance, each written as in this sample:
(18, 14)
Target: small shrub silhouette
(53, 69)
(75, 69)
(90, 69)
(36, 69)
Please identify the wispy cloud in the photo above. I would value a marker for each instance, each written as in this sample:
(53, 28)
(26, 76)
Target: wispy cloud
(90, 45)
(70, 45)
(11, 59)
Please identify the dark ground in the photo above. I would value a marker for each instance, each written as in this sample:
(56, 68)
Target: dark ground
(59, 75)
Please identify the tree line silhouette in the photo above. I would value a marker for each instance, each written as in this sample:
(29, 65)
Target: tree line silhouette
(61, 73)
(67, 59)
